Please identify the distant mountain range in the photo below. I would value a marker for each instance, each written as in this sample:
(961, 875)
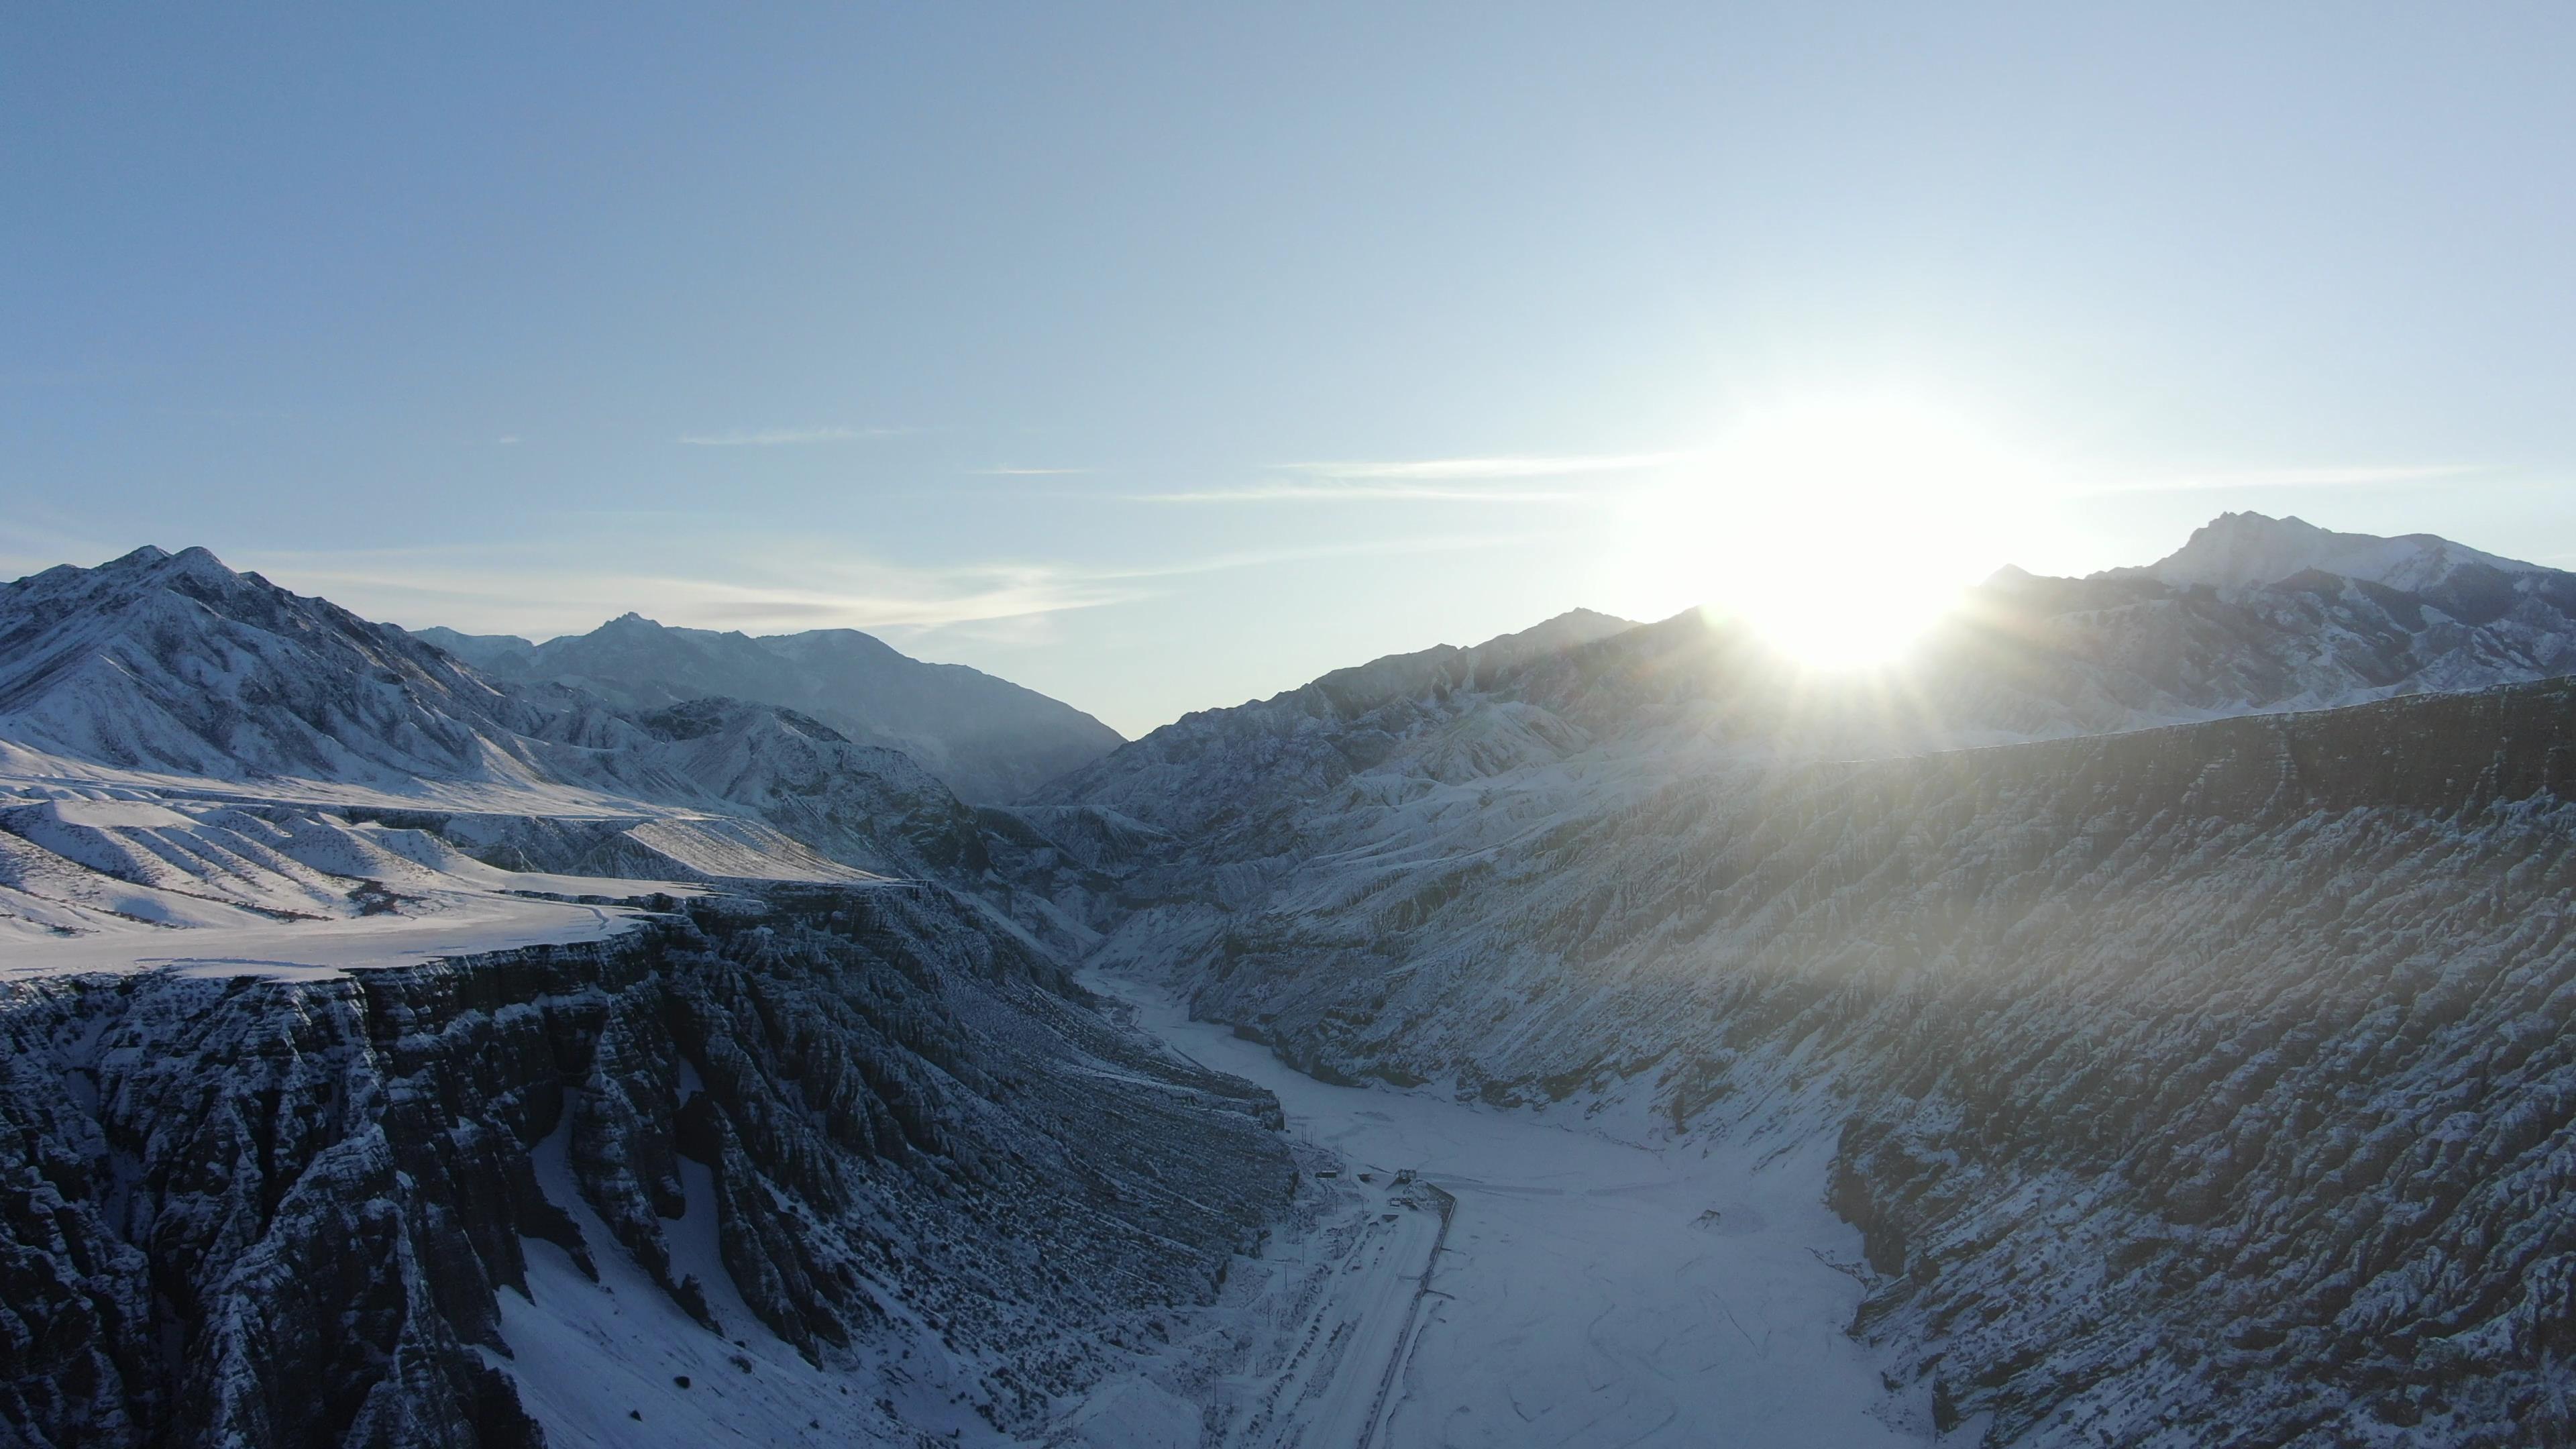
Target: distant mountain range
(2207, 1084)
(2251, 550)
(2174, 966)
(571, 1070)
(989, 740)
(172, 671)
(2244, 618)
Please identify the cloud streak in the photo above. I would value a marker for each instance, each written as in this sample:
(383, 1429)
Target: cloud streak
(1359, 493)
(760, 585)
(1499, 466)
(784, 437)
(1503, 479)
(2325, 476)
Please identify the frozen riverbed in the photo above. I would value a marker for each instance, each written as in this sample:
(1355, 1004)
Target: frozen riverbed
(1590, 1292)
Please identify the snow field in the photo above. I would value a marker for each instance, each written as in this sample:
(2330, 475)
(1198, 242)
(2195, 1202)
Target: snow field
(1590, 1291)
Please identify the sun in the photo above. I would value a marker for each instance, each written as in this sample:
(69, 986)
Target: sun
(1839, 530)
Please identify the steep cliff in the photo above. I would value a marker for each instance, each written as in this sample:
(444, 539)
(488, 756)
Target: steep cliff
(305, 1212)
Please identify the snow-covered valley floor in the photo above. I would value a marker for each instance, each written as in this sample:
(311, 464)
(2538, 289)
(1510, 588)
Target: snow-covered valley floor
(1590, 1291)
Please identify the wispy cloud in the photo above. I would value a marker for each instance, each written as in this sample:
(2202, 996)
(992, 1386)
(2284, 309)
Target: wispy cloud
(759, 584)
(2324, 476)
(784, 437)
(1298, 492)
(1507, 479)
(503, 593)
(1502, 466)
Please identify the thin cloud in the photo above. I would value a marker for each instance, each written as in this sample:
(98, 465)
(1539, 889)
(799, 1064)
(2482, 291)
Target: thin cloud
(762, 585)
(784, 437)
(1508, 466)
(493, 597)
(1358, 493)
(2327, 476)
(1259, 558)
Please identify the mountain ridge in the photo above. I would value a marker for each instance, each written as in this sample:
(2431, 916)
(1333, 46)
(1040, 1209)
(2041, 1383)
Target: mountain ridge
(2177, 972)
(988, 739)
(2251, 550)
(172, 665)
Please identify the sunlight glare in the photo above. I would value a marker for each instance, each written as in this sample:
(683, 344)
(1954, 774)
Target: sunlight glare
(1838, 530)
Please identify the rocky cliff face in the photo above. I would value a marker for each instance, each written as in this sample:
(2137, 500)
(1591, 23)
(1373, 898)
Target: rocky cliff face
(2206, 1085)
(242, 1211)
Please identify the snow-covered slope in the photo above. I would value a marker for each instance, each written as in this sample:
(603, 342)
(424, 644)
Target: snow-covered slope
(174, 663)
(2194, 1085)
(2023, 658)
(171, 674)
(985, 738)
(2207, 1085)
(391, 1057)
(2249, 550)
(1225, 764)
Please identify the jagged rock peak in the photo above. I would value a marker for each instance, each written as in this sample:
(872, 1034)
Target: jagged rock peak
(2250, 550)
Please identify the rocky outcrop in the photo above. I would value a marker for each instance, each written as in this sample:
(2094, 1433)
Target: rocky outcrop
(284, 1213)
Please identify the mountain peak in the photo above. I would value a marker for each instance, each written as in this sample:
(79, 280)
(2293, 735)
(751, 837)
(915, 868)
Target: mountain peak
(2250, 550)
(193, 562)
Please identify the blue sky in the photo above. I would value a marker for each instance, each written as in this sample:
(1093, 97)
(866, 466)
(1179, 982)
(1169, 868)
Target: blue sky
(1161, 357)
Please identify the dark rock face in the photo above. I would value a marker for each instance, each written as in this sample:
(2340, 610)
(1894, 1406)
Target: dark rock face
(281, 1213)
(2204, 1085)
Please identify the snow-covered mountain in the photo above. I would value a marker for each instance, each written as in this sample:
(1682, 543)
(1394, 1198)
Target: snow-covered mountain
(2203, 1085)
(397, 1057)
(2193, 1085)
(2167, 972)
(985, 738)
(2251, 550)
(2023, 658)
(162, 668)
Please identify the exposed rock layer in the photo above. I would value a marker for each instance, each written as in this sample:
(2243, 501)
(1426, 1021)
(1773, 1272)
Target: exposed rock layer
(279, 1213)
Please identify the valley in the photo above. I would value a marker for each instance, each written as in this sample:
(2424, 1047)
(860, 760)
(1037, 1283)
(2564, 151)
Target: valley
(2143, 1024)
(1590, 1291)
